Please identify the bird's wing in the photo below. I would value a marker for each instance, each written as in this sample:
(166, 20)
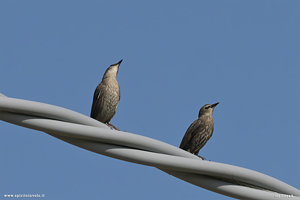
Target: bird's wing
(97, 100)
(119, 93)
(194, 128)
(204, 137)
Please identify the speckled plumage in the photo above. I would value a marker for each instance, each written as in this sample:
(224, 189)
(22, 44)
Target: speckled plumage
(200, 131)
(107, 96)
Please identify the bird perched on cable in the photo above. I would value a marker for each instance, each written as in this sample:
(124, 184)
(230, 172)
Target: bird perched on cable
(107, 96)
(200, 131)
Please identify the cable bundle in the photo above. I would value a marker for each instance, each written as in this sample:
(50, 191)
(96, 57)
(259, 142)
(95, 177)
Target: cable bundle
(92, 135)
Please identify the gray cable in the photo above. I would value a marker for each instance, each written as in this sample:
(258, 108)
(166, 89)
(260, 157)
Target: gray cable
(89, 134)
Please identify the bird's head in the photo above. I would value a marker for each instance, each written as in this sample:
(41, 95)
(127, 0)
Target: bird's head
(112, 71)
(207, 109)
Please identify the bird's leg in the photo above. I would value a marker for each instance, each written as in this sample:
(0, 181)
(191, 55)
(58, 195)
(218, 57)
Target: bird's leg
(201, 157)
(112, 126)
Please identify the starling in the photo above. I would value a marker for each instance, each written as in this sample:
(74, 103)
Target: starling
(107, 96)
(200, 131)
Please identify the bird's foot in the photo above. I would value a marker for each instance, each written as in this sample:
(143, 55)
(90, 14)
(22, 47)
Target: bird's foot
(201, 157)
(113, 127)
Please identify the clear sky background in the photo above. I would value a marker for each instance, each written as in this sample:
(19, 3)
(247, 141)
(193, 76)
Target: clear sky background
(177, 56)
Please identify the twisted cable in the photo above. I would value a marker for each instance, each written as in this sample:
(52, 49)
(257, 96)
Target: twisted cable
(92, 135)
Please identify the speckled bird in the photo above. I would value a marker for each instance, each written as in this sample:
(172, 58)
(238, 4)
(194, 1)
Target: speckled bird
(200, 131)
(107, 96)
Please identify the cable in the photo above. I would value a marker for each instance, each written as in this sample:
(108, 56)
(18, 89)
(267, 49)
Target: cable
(89, 134)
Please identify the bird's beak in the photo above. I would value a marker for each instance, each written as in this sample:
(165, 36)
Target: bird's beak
(119, 62)
(214, 105)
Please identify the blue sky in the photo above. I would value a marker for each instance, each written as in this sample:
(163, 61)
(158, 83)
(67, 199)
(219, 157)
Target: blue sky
(177, 56)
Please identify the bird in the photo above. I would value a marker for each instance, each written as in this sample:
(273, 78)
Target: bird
(200, 131)
(107, 96)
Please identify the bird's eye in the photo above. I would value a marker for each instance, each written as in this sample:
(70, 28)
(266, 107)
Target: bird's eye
(207, 107)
